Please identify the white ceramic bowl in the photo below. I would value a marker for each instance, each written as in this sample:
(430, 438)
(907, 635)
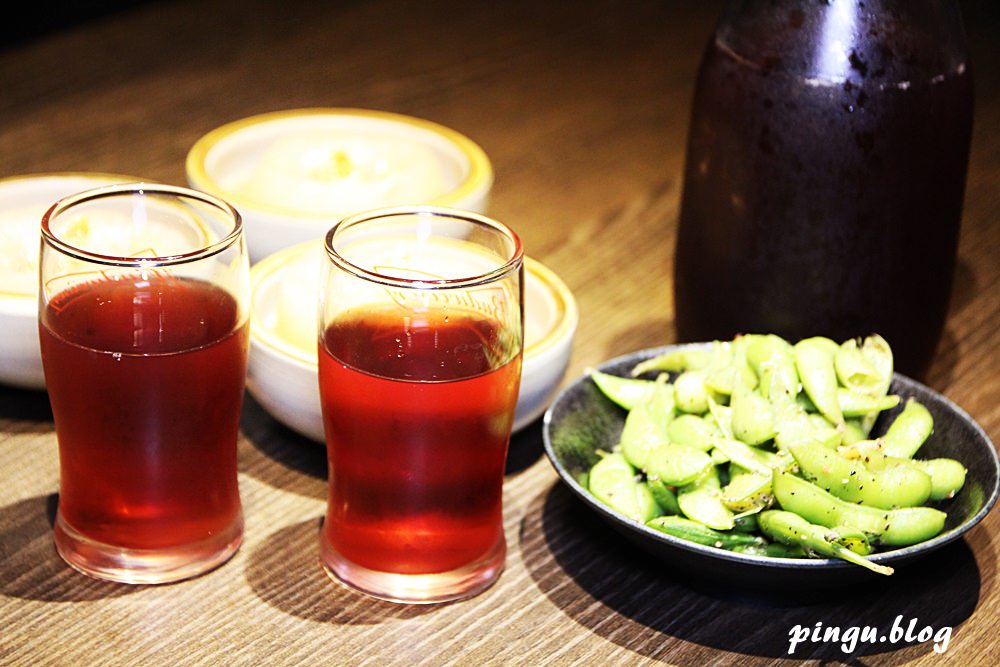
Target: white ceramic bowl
(23, 201)
(292, 174)
(283, 375)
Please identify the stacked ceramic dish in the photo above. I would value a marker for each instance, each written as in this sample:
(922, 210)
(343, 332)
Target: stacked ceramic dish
(292, 174)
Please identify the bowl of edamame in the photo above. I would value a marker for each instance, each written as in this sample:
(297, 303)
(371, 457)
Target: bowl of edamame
(769, 463)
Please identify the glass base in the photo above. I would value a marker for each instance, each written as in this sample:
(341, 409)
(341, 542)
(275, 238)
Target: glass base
(145, 566)
(459, 584)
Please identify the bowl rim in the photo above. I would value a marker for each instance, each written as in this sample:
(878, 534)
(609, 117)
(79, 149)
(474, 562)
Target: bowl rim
(566, 319)
(636, 527)
(479, 176)
(95, 179)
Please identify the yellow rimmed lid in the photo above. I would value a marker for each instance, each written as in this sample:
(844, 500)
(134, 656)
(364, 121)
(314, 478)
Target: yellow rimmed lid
(286, 283)
(223, 161)
(24, 199)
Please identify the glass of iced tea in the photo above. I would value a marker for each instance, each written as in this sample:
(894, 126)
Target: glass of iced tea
(143, 325)
(420, 344)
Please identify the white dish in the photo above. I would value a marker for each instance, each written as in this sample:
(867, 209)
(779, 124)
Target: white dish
(23, 201)
(283, 375)
(292, 174)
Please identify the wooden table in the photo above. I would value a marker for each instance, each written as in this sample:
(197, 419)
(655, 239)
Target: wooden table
(583, 108)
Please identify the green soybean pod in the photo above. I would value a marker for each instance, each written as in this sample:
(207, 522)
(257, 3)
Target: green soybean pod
(693, 531)
(792, 529)
(852, 432)
(701, 501)
(614, 482)
(746, 491)
(723, 378)
(814, 363)
(753, 417)
(947, 475)
(909, 430)
(793, 425)
(626, 392)
(692, 431)
(865, 365)
(851, 480)
(912, 525)
(771, 358)
(754, 459)
(677, 465)
(683, 359)
(896, 527)
(856, 404)
(664, 496)
(853, 539)
(690, 393)
(646, 425)
(746, 523)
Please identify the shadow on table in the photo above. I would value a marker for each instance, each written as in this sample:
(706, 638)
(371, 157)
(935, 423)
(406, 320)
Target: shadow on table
(525, 448)
(26, 405)
(30, 567)
(291, 554)
(278, 456)
(660, 610)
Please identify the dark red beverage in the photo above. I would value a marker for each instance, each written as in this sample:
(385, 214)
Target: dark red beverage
(825, 176)
(418, 413)
(145, 376)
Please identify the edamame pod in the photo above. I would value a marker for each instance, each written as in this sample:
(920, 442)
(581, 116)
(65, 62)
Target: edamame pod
(747, 491)
(814, 363)
(693, 531)
(692, 431)
(947, 475)
(721, 416)
(855, 370)
(794, 425)
(646, 425)
(682, 359)
(853, 539)
(615, 483)
(852, 432)
(851, 480)
(753, 416)
(626, 392)
(702, 501)
(677, 465)
(896, 527)
(790, 528)
(909, 430)
(865, 365)
(877, 351)
(771, 358)
(690, 393)
(856, 404)
(723, 378)
(754, 459)
(664, 496)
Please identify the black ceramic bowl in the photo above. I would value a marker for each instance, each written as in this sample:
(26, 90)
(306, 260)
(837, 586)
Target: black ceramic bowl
(582, 420)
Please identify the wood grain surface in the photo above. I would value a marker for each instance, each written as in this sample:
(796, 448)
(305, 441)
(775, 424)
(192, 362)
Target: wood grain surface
(583, 108)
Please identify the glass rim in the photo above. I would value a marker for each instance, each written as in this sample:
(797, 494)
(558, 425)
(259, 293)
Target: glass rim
(140, 188)
(515, 260)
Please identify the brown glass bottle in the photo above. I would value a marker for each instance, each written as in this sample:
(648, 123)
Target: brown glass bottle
(825, 174)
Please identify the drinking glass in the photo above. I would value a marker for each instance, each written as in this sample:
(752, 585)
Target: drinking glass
(420, 344)
(143, 326)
